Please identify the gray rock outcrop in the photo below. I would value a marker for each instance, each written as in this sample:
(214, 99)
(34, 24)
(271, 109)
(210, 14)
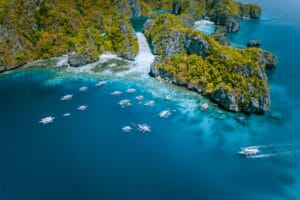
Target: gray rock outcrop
(135, 7)
(79, 59)
(253, 43)
(176, 7)
(171, 42)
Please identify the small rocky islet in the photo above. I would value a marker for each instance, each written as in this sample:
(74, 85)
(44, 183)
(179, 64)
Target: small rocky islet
(235, 79)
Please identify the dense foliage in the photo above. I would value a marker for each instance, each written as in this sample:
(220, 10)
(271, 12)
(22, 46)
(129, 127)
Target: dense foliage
(32, 29)
(239, 72)
(41, 29)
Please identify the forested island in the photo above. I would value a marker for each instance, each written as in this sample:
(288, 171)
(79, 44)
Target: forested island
(233, 78)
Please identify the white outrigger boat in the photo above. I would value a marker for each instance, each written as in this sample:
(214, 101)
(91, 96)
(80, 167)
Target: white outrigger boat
(144, 128)
(116, 93)
(204, 106)
(47, 120)
(165, 113)
(67, 97)
(131, 90)
(249, 151)
(101, 83)
(83, 89)
(125, 103)
(167, 97)
(67, 114)
(149, 103)
(126, 129)
(82, 108)
(139, 98)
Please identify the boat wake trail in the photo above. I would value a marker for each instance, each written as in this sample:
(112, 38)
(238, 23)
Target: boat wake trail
(268, 151)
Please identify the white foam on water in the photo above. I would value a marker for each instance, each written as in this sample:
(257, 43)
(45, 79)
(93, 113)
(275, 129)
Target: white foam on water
(143, 60)
(205, 26)
(138, 73)
(62, 61)
(107, 56)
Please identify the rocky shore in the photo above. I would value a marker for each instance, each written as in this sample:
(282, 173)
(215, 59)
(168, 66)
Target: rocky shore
(188, 58)
(234, 79)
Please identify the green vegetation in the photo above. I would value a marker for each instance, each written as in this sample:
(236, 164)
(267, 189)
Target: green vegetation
(149, 5)
(32, 30)
(235, 70)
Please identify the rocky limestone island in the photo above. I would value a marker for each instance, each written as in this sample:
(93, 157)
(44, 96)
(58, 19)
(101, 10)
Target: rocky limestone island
(233, 78)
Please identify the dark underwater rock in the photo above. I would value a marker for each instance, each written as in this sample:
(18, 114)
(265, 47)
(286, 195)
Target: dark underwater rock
(253, 43)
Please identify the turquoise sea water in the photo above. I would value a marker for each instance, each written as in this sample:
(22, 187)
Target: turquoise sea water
(190, 155)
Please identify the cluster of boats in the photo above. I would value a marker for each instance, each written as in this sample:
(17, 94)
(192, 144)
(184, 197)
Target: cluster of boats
(68, 97)
(127, 103)
(47, 120)
(123, 103)
(140, 127)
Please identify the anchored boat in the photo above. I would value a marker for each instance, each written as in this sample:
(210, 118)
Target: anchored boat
(67, 97)
(47, 120)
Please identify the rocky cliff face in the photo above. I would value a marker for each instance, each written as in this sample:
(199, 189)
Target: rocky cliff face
(178, 40)
(129, 50)
(176, 7)
(234, 79)
(230, 22)
(229, 14)
(32, 29)
(251, 11)
(236, 102)
(129, 8)
(220, 35)
(14, 41)
(135, 7)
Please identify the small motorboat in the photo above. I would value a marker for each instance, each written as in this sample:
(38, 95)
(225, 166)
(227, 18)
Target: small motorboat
(165, 113)
(101, 83)
(116, 93)
(143, 128)
(67, 114)
(204, 106)
(82, 108)
(83, 89)
(139, 98)
(252, 150)
(67, 97)
(125, 103)
(126, 129)
(167, 97)
(149, 103)
(47, 120)
(131, 90)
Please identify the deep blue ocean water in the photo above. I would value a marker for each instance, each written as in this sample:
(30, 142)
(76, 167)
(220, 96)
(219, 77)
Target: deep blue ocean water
(190, 155)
